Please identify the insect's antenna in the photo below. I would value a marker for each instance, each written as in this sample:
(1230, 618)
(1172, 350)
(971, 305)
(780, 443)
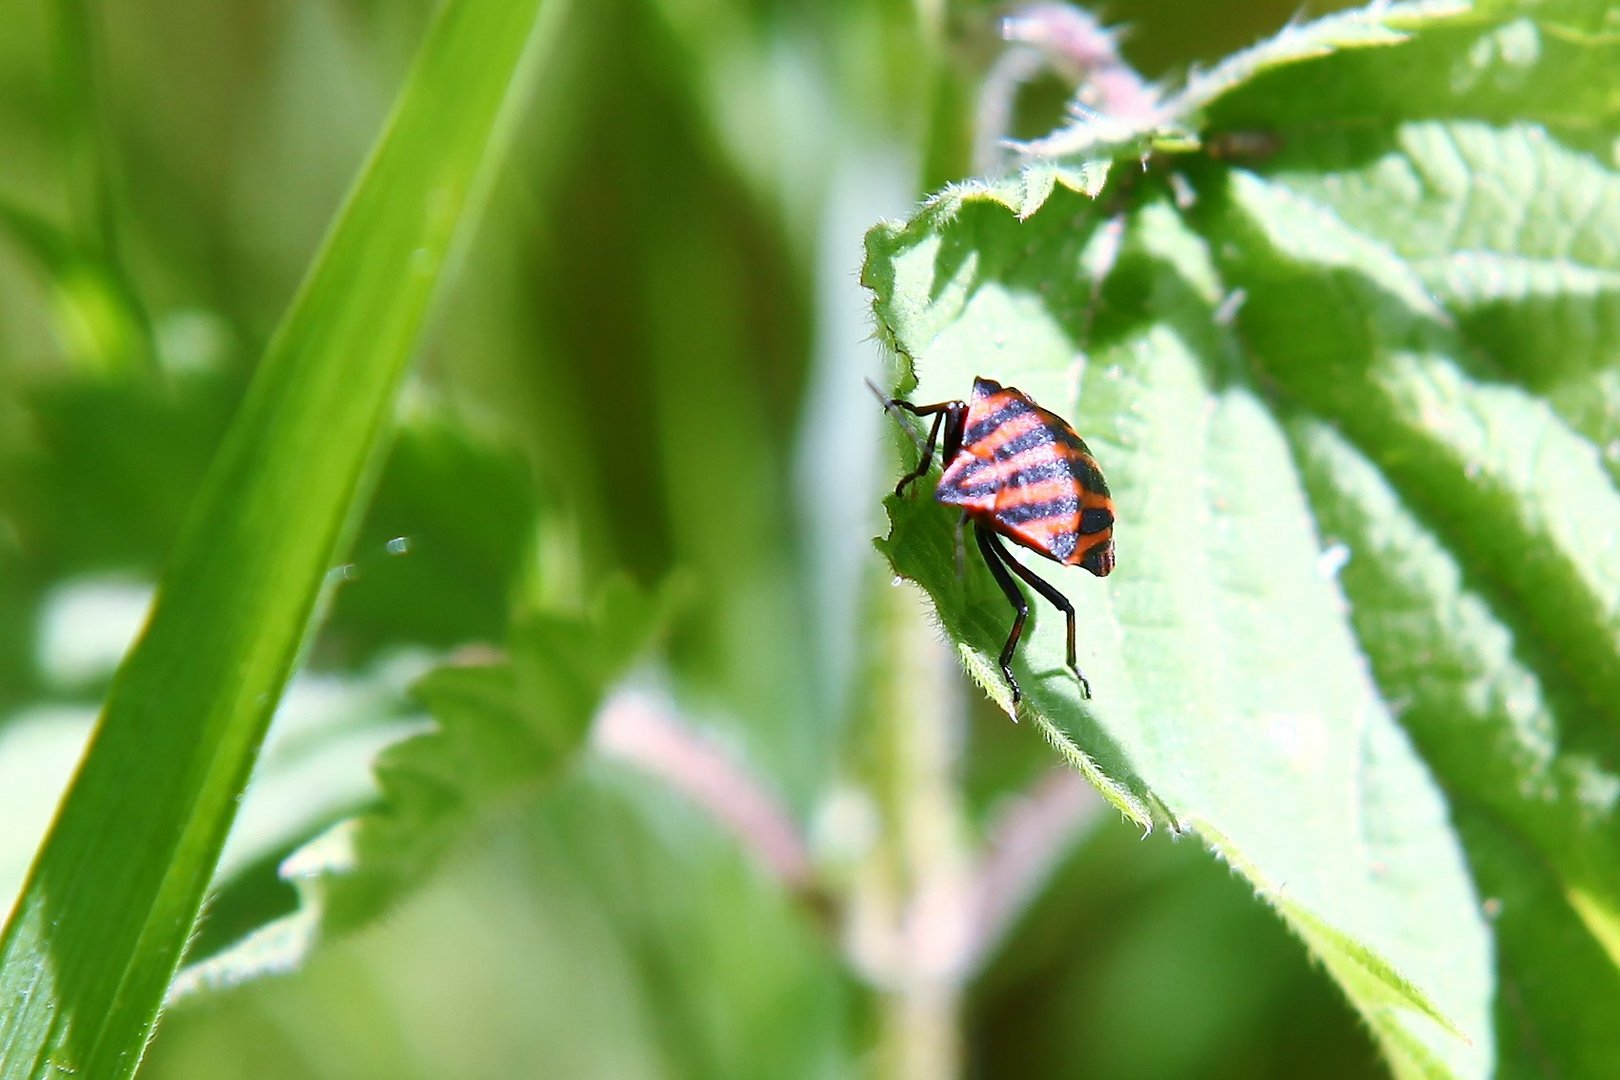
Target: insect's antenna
(898, 414)
(883, 399)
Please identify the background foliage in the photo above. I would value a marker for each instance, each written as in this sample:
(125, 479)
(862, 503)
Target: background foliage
(1342, 382)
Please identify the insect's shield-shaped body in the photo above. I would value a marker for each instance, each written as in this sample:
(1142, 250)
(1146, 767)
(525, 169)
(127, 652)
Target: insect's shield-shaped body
(1022, 473)
(1026, 473)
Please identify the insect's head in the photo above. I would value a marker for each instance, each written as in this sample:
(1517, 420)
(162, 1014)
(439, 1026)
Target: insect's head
(1100, 559)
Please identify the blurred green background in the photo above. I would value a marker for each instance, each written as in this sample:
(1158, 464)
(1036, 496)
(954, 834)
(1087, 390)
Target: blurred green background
(655, 347)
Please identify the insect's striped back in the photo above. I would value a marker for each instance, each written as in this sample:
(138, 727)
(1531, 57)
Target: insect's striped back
(1023, 470)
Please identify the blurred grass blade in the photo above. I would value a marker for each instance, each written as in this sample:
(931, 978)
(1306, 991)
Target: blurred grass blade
(79, 88)
(100, 927)
(96, 313)
(98, 306)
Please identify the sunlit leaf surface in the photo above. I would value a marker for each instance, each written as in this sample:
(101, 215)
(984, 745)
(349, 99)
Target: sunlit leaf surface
(1355, 398)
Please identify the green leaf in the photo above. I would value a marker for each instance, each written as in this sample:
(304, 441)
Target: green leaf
(1092, 137)
(1534, 802)
(501, 731)
(312, 769)
(110, 902)
(1368, 27)
(1506, 228)
(1498, 65)
(1359, 406)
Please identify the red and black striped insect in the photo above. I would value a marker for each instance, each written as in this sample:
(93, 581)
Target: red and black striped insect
(1022, 473)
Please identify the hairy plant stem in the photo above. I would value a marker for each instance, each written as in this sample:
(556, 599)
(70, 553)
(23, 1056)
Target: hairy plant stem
(910, 917)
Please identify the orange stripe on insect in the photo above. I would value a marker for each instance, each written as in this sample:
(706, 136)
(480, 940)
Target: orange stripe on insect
(1093, 500)
(1047, 531)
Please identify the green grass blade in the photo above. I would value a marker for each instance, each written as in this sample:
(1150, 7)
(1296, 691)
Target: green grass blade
(102, 923)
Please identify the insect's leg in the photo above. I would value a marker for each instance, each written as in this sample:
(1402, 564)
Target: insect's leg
(926, 460)
(1057, 600)
(993, 556)
(954, 416)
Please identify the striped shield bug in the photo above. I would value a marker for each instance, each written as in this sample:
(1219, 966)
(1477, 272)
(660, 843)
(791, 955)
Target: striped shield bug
(1020, 472)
